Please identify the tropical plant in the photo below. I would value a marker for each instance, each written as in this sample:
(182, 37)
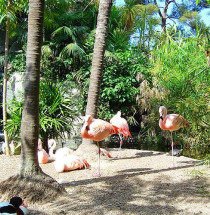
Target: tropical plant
(183, 77)
(58, 107)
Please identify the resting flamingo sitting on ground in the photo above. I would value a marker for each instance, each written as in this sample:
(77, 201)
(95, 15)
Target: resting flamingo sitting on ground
(69, 163)
(64, 159)
(97, 130)
(123, 128)
(59, 152)
(171, 122)
(43, 156)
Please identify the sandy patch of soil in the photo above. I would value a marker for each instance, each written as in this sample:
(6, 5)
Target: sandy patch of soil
(139, 182)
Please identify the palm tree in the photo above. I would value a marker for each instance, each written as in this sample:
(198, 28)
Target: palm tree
(30, 115)
(97, 67)
(31, 177)
(129, 13)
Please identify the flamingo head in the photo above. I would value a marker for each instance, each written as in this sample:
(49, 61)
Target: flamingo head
(119, 113)
(87, 121)
(162, 111)
(51, 142)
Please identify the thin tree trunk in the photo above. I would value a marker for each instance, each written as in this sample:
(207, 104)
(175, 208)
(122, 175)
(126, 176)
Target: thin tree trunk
(30, 116)
(163, 15)
(6, 140)
(97, 69)
(98, 57)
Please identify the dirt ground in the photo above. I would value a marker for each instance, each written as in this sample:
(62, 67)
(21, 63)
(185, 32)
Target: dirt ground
(139, 182)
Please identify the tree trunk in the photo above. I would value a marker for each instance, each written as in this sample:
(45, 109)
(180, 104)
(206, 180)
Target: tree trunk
(87, 148)
(6, 140)
(30, 115)
(163, 15)
(31, 182)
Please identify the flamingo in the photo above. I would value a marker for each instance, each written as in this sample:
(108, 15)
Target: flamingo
(43, 156)
(123, 128)
(97, 130)
(64, 159)
(171, 122)
(60, 152)
(70, 162)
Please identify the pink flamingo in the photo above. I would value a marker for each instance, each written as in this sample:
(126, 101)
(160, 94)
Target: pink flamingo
(171, 122)
(97, 130)
(60, 152)
(123, 128)
(69, 163)
(64, 158)
(43, 156)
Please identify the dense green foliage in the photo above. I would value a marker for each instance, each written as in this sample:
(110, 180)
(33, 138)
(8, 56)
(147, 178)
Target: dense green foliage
(167, 69)
(58, 108)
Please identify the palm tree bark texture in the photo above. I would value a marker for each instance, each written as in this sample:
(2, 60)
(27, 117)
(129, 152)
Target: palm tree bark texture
(98, 57)
(30, 115)
(97, 68)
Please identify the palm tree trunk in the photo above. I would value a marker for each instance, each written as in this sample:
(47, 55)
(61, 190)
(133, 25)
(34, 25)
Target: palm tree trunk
(98, 57)
(6, 140)
(97, 69)
(30, 115)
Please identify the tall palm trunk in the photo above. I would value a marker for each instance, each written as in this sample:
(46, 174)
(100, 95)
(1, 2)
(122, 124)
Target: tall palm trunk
(5, 79)
(97, 68)
(98, 57)
(30, 115)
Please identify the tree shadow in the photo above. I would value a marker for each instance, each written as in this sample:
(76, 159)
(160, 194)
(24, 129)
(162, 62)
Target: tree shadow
(132, 196)
(139, 155)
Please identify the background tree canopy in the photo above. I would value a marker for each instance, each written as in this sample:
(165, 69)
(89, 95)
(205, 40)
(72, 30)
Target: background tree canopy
(167, 65)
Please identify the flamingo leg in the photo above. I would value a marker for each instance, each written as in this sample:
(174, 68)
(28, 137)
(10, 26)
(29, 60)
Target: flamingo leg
(172, 151)
(98, 174)
(121, 142)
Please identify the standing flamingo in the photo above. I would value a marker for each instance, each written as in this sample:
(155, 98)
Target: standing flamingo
(171, 122)
(43, 156)
(123, 128)
(97, 130)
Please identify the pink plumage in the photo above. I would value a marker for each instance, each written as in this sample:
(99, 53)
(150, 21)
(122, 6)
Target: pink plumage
(171, 122)
(122, 126)
(97, 130)
(43, 156)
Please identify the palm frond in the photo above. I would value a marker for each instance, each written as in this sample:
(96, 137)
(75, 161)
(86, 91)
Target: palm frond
(73, 50)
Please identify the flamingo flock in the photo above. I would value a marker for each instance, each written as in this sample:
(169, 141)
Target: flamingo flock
(98, 130)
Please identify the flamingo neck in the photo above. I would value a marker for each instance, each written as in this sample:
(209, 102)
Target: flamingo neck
(51, 151)
(161, 122)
